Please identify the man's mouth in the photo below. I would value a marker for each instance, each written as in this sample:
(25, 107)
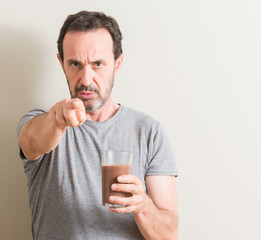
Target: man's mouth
(86, 94)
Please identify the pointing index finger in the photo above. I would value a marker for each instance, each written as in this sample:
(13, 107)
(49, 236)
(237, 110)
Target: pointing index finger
(76, 104)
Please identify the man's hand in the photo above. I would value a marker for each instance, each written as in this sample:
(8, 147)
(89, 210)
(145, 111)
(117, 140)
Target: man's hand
(68, 112)
(136, 202)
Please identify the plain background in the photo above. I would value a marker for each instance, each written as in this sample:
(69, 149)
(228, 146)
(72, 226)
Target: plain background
(195, 65)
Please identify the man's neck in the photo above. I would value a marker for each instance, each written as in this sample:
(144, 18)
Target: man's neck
(105, 112)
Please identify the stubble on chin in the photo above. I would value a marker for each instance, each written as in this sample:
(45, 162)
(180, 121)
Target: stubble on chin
(90, 108)
(91, 105)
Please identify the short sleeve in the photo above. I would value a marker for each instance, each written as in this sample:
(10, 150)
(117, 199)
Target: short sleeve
(27, 117)
(161, 160)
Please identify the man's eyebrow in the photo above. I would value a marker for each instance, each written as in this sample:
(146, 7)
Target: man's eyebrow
(98, 60)
(73, 61)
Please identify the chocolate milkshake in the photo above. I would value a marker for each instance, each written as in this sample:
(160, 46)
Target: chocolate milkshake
(109, 176)
(114, 164)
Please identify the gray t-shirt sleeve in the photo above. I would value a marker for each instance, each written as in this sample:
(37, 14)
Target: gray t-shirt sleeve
(27, 117)
(161, 160)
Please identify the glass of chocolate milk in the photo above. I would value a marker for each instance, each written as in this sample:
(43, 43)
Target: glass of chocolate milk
(114, 164)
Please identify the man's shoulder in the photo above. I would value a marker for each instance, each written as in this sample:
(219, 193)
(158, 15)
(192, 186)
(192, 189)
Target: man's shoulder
(35, 112)
(139, 116)
(27, 117)
(30, 115)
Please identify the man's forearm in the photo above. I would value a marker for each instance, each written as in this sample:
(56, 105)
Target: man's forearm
(155, 223)
(40, 135)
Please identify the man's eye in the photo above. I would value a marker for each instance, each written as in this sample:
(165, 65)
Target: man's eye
(98, 64)
(75, 64)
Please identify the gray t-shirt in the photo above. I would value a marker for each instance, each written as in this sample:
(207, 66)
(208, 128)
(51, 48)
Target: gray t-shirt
(65, 185)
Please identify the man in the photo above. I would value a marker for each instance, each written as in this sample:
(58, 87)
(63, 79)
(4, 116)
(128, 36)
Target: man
(61, 148)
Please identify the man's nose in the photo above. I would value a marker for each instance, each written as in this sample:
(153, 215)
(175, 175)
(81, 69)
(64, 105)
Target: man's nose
(86, 76)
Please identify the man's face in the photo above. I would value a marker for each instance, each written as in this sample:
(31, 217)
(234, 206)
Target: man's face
(89, 66)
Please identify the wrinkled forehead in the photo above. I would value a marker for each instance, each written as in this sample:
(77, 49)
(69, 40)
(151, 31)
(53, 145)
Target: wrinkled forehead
(95, 44)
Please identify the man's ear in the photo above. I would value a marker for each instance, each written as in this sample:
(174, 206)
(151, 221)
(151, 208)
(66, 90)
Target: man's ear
(118, 63)
(60, 60)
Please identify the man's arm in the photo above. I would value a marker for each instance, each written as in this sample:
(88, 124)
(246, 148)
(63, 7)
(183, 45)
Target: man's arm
(155, 212)
(44, 132)
(161, 209)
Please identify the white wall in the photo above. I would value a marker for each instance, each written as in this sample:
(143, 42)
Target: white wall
(192, 64)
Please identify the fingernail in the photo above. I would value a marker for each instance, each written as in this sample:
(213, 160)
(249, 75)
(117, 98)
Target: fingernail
(114, 186)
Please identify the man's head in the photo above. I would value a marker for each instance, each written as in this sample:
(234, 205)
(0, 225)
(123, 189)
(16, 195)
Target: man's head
(87, 21)
(90, 54)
